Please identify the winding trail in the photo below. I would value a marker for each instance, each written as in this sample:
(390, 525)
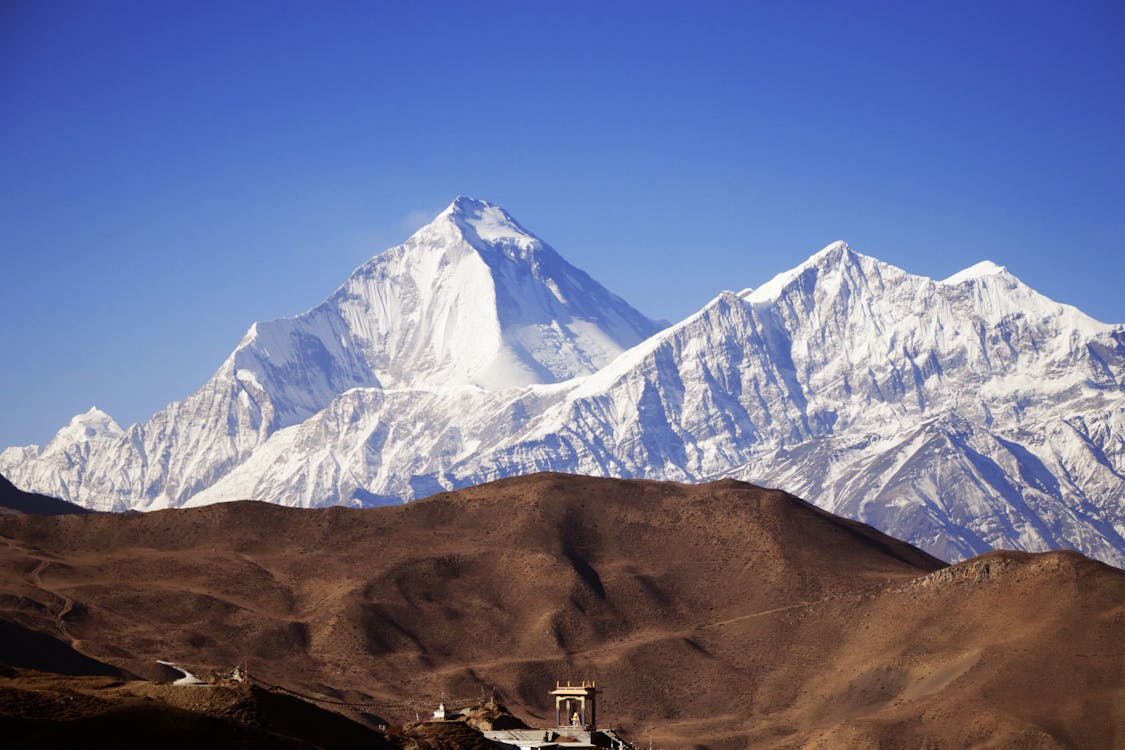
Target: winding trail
(36, 579)
(639, 639)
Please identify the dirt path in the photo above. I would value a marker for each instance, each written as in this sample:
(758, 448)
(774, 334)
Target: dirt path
(764, 612)
(640, 639)
(67, 604)
(36, 574)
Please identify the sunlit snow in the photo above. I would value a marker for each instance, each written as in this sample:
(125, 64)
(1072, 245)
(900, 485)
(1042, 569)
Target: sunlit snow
(962, 414)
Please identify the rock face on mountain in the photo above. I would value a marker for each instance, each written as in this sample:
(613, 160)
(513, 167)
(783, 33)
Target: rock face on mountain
(962, 415)
(719, 615)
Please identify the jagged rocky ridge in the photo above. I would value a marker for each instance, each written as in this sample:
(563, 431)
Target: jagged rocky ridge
(961, 415)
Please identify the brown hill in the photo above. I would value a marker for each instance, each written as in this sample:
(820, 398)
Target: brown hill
(39, 710)
(719, 615)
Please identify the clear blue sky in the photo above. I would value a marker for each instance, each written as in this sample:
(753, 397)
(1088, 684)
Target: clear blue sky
(172, 171)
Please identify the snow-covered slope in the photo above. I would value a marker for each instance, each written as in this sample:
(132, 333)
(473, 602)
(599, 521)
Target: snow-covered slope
(470, 299)
(960, 415)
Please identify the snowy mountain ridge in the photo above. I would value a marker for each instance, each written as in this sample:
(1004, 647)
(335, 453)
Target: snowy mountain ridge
(470, 299)
(960, 415)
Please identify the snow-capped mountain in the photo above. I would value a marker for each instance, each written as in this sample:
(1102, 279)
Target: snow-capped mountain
(472, 299)
(960, 415)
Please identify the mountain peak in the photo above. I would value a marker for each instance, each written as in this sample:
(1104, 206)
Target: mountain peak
(90, 424)
(472, 298)
(94, 418)
(466, 204)
(830, 256)
(976, 271)
(484, 224)
(833, 250)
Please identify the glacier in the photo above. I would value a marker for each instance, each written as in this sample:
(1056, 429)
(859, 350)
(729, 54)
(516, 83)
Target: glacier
(962, 415)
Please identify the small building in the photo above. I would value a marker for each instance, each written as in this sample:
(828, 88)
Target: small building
(575, 725)
(576, 705)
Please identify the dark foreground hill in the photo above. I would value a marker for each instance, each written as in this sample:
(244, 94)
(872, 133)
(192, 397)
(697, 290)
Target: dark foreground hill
(719, 615)
(15, 500)
(40, 710)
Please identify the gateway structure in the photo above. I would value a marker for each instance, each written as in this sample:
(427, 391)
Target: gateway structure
(576, 705)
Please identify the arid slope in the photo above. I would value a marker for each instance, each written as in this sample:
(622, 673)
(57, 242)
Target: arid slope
(719, 615)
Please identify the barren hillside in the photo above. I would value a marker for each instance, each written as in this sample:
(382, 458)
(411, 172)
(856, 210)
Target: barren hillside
(715, 615)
